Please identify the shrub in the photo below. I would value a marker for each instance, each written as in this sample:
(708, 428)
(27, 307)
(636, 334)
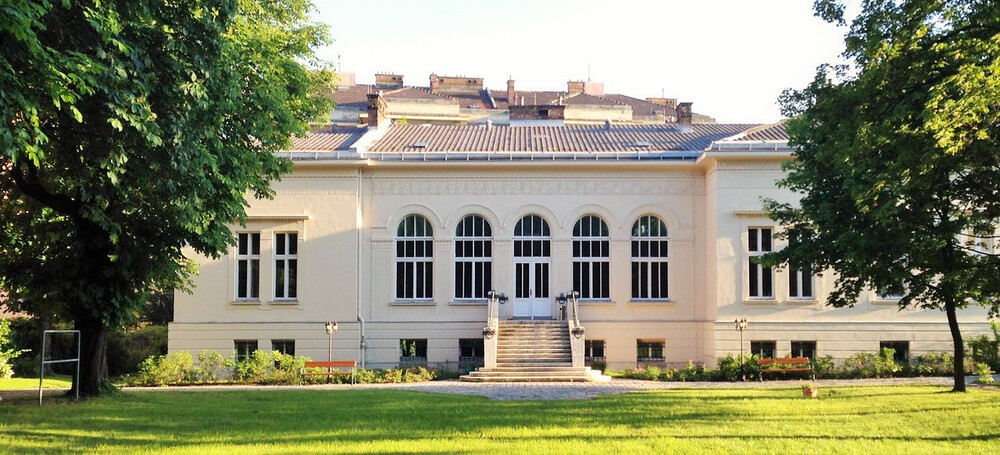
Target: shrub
(823, 367)
(931, 364)
(870, 365)
(127, 350)
(8, 351)
(212, 367)
(984, 350)
(729, 368)
(984, 373)
(160, 370)
(264, 367)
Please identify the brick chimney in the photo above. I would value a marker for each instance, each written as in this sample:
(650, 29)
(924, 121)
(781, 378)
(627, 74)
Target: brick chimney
(684, 117)
(511, 96)
(435, 83)
(376, 109)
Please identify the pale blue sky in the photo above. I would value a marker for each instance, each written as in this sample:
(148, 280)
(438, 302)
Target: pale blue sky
(731, 58)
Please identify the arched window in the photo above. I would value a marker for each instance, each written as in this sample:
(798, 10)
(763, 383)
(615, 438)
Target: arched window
(414, 259)
(649, 259)
(591, 258)
(473, 258)
(532, 249)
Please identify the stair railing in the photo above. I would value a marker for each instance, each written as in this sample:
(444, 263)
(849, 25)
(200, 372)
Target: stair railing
(491, 331)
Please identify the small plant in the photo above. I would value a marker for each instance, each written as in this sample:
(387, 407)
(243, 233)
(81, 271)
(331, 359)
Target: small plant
(810, 390)
(985, 373)
(7, 353)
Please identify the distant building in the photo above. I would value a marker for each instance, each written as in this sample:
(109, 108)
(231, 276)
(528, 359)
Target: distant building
(465, 100)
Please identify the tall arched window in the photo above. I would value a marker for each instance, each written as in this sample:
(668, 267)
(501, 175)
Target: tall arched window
(473, 258)
(591, 258)
(414, 259)
(649, 259)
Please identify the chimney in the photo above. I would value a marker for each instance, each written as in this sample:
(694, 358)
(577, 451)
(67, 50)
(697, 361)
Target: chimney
(435, 84)
(607, 124)
(511, 96)
(574, 87)
(376, 110)
(684, 117)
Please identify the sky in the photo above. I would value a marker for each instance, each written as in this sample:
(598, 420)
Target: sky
(732, 59)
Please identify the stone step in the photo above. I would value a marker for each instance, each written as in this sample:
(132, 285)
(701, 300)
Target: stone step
(535, 363)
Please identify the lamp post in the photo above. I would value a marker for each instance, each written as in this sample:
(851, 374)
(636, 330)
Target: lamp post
(331, 327)
(741, 325)
(561, 300)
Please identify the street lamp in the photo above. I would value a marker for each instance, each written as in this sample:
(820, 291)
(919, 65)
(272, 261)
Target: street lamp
(331, 327)
(741, 325)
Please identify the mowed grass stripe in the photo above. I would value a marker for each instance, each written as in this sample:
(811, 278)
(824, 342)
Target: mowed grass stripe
(902, 419)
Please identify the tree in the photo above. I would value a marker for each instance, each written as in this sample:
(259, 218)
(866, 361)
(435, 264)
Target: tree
(131, 129)
(897, 159)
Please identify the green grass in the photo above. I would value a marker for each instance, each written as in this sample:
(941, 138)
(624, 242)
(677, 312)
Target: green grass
(876, 420)
(51, 382)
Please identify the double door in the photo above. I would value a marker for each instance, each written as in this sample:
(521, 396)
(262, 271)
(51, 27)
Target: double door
(531, 288)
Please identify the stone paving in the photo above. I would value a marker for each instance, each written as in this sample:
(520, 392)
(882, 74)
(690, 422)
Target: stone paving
(549, 390)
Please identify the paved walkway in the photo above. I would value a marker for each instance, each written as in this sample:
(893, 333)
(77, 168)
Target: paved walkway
(549, 390)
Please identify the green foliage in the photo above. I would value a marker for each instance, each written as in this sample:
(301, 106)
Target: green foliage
(8, 351)
(173, 368)
(984, 350)
(126, 350)
(131, 129)
(823, 366)
(897, 157)
(729, 367)
(985, 373)
(931, 364)
(871, 365)
(212, 367)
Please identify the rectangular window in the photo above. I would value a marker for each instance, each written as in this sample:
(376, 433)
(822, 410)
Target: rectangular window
(471, 350)
(901, 350)
(473, 268)
(244, 349)
(414, 268)
(286, 347)
(594, 350)
(886, 294)
(286, 254)
(761, 278)
(649, 350)
(248, 266)
(800, 283)
(413, 350)
(592, 269)
(762, 349)
(804, 349)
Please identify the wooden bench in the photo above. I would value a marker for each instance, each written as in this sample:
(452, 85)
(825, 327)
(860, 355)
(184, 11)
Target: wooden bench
(333, 368)
(785, 365)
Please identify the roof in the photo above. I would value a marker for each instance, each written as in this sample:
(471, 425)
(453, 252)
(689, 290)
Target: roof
(772, 132)
(642, 107)
(583, 99)
(336, 139)
(550, 139)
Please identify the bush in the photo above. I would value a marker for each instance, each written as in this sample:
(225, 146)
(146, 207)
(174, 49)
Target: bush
(8, 350)
(264, 367)
(127, 350)
(984, 350)
(984, 373)
(729, 368)
(823, 367)
(161, 370)
(870, 365)
(212, 367)
(932, 364)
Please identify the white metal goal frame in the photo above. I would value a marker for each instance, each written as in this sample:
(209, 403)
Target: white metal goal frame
(41, 370)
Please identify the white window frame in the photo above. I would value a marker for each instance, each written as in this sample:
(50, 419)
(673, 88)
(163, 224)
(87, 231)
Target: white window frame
(251, 258)
(286, 257)
(649, 235)
(756, 248)
(414, 234)
(595, 265)
(796, 290)
(479, 240)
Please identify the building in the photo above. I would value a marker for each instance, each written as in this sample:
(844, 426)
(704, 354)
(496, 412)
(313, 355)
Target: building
(399, 232)
(465, 100)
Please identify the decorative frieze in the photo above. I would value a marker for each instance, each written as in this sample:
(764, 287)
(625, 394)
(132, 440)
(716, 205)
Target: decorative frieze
(534, 188)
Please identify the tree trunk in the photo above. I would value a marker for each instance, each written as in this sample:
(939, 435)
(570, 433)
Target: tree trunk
(93, 355)
(956, 336)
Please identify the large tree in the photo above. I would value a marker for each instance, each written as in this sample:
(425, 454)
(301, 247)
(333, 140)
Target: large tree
(897, 159)
(132, 128)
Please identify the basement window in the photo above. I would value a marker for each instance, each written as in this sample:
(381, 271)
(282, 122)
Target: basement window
(649, 350)
(413, 350)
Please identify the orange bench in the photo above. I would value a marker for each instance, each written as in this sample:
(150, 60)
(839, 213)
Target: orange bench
(333, 368)
(784, 365)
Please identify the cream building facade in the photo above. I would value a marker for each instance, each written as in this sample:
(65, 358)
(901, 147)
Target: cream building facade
(398, 232)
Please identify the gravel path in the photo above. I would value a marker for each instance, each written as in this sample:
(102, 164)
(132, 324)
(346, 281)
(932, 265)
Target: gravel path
(544, 390)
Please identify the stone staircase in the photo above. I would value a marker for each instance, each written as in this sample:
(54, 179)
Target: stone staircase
(534, 351)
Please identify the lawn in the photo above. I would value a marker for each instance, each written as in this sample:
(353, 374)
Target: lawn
(51, 382)
(877, 420)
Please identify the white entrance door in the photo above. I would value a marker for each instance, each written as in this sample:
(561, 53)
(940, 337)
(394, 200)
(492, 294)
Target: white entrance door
(531, 289)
